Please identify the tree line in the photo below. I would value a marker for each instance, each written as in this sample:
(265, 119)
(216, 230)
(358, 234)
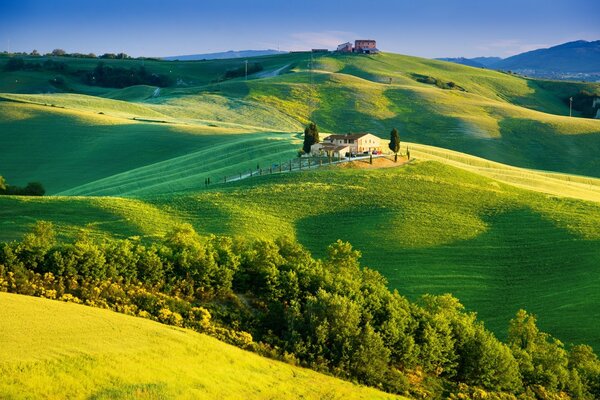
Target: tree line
(63, 53)
(31, 189)
(102, 75)
(329, 314)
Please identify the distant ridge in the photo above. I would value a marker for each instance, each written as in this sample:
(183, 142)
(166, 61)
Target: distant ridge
(574, 59)
(224, 55)
(471, 62)
(579, 60)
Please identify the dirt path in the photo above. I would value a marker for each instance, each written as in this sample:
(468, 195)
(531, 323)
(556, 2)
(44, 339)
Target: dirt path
(270, 74)
(381, 162)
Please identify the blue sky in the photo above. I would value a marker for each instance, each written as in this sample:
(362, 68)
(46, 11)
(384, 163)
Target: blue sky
(423, 28)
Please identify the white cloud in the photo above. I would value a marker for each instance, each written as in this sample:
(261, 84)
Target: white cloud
(310, 40)
(509, 47)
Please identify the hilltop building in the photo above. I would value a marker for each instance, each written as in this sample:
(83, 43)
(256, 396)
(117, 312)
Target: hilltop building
(345, 47)
(361, 46)
(365, 46)
(344, 145)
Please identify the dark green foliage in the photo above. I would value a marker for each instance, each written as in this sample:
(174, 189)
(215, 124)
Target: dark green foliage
(437, 82)
(118, 77)
(330, 314)
(32, 189)
(15, 64)
(311, 136)
(241, 71)
(394, 141)
(584, 103)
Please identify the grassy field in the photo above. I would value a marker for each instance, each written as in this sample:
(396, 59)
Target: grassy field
(429, 227)
(81, 139)
(460, 224)
(51, 350)
(432, 228)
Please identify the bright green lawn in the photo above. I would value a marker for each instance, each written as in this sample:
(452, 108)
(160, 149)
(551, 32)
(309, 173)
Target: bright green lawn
(500, 117)
(431, 228)
(52, 350)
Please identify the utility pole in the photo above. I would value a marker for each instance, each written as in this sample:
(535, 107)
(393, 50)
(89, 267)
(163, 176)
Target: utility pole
(570, 106)
(246, 69)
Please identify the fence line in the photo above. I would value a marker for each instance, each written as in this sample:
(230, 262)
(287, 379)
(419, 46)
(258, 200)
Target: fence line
(291, 165)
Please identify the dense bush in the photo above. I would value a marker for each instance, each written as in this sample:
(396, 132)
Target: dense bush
(32, 189)
(241, 71)
(584, 103)
(330, 314)
(438, 82)
(119, 77)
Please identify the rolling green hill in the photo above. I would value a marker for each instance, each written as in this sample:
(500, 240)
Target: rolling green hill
(497, 116)
(429, 227)
(458, 224)
(50, 349)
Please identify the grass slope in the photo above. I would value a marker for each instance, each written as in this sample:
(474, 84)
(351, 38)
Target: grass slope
(68, 140)
(50, 349)
(433, 228)
(429, 227)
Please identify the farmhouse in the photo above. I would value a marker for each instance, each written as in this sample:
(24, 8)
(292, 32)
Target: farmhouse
(343, 145)
(345, 47)
(361, 46)
(365, 46)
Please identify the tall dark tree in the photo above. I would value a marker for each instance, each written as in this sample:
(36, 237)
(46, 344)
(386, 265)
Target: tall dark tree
(395, 143)
(311, 136)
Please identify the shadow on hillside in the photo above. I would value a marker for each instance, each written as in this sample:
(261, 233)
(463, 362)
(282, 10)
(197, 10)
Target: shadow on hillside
(522, 260)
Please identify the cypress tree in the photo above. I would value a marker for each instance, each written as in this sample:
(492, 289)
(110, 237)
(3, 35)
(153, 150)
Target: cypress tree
(395, 143)
(311, 136)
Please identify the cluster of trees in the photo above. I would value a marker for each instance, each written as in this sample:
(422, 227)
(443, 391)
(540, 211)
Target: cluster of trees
(102, 75)
(32, 189)
(430, 80)
(119, 77)
(19, 64)
(251, 68)
(329, 314)
(311, 136)
(63, 53)
(584, 103)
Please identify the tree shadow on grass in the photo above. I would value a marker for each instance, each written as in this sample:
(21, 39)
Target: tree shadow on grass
(523, 260)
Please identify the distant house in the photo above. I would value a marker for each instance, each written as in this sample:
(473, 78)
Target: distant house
(365, 46)
(345, 47)
(343, 145)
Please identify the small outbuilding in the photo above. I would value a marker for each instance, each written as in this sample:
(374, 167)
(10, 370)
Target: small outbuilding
(345, 47)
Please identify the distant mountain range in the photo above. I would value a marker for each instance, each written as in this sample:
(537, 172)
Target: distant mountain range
(578, 60)
(224, 54)
(479, 62)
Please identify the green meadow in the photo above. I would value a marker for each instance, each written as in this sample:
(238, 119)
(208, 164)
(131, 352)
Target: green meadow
(50, 349)
(499, 207)
(78, 135)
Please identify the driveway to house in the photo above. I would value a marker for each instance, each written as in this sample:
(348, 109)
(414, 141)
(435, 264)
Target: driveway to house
(270, 74)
